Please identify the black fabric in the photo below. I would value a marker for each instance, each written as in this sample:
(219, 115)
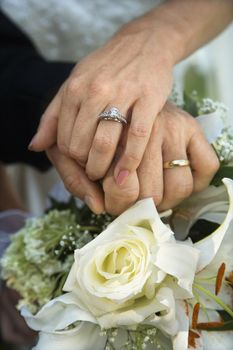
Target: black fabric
(27, 84)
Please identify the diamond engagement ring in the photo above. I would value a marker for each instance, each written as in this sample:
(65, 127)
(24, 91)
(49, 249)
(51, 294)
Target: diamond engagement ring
(113, 114)
(176, 163)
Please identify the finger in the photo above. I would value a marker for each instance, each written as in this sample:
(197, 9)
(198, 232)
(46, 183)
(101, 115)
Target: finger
(178, 181)
(119, 199)
(76, 181)
(204, 161)
(46, 134)
(143, 115)
(104, 145)
(71, 101)
(150, 171)
(86, 123)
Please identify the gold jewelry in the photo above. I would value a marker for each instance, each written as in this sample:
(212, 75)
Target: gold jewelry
(176, 163)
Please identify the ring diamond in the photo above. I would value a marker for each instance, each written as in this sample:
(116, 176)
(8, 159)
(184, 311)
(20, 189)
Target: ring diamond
(113, 114)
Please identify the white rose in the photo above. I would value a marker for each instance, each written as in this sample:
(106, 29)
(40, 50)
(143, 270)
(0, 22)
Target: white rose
(133, 272)
(120, 277)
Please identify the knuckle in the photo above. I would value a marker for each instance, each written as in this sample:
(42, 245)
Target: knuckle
(77, 155)
(213, 165)
(63, 148)
(94, 175)
(147, 89)
(73, 85)
(98, 87)
(131, 157)
(71, 183)
(124, 195)
(128, 193)
(183, 190)
(138, 130)
(103, 144)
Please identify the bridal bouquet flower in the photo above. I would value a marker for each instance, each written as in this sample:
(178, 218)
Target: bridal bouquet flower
(132, 286)
(143, 280)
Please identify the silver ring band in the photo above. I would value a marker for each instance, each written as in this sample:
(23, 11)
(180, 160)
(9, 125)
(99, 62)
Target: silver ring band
(113, 114)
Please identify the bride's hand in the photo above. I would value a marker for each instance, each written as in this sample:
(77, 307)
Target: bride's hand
(132, 72)
(175, 135)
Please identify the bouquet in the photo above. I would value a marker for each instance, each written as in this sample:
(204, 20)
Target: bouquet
(143, 280)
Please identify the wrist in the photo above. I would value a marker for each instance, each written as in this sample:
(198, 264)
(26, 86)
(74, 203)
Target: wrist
(163, 32)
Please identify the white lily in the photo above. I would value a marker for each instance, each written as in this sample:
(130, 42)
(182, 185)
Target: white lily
(215, 250)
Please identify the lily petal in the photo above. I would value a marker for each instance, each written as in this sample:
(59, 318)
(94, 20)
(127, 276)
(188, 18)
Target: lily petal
(221, 340)
(84, 337)
(57, 314)
(180, 341)
(209, 246)
(198, 206)
(179, 260)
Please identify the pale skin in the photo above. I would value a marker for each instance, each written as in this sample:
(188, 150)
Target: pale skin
(132, 71)
(179, 136)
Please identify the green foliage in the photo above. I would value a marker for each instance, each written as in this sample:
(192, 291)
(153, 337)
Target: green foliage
(191, 104)
(39, 258)
(224, 171)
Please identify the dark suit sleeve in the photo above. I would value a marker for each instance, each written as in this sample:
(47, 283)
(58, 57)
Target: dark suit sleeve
(27, 84)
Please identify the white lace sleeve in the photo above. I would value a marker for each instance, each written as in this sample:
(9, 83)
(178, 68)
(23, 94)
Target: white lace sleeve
(70, 29)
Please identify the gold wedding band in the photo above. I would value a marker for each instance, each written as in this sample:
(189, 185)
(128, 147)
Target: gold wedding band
(176, 163)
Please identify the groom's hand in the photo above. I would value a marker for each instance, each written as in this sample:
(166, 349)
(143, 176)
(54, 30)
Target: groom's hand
(116, 199)
(76, 180)
(175, 135)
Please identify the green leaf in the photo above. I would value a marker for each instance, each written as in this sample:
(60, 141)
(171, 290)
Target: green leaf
(224, 171)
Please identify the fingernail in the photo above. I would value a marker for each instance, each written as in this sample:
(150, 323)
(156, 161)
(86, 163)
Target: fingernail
(90, 202)
(31, 144)
(121, 177)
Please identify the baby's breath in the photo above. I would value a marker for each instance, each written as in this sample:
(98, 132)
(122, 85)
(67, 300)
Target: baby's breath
(40, 256)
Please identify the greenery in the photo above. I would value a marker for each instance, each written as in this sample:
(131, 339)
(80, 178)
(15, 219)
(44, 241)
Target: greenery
(37, 262)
